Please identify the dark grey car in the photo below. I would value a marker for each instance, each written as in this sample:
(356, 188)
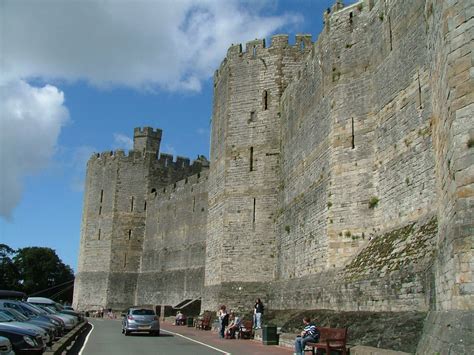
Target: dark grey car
(140, 320)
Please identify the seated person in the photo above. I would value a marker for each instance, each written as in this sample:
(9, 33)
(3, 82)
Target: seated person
(310, 334)
(233, 326)
(180, 318)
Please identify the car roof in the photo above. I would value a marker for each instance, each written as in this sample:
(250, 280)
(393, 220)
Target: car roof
(40, 300)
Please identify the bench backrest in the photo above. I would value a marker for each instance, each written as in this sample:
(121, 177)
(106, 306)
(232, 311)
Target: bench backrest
(333, 333)
(247, 324)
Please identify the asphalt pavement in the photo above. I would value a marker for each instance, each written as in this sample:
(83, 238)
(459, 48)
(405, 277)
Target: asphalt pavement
(105, 338)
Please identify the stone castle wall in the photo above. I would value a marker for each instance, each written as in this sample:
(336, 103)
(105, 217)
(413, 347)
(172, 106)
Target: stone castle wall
(336, 155)
(172, 266)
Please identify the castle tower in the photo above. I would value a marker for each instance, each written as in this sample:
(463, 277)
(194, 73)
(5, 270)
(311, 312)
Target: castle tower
(114, 218)
(146, 139)
(244, 175)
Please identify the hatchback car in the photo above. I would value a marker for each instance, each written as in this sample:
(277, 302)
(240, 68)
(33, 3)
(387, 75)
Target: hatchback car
(140, 320)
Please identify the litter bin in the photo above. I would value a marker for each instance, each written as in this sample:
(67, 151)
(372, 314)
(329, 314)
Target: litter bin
(269, 335)
(190, 321)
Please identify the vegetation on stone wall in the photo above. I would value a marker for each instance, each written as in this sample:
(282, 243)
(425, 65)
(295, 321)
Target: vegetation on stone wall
(373, 202)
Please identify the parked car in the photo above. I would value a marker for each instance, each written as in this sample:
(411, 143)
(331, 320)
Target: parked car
(17, 316)
(31, 312)
(70, 321)
(23, 341)
(5, 347)
(9, 321)
(43, 301)
(141, 320)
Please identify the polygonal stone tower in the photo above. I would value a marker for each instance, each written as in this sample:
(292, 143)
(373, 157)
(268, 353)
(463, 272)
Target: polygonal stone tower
(244, 176)
(114, 217)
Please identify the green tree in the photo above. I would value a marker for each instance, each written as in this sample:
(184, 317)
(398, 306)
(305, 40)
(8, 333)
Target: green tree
(9, 279)
(41, 269)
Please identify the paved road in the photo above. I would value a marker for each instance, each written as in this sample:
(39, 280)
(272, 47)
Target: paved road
(106, 338)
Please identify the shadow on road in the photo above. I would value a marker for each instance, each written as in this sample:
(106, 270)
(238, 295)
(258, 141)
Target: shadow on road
(76, 347)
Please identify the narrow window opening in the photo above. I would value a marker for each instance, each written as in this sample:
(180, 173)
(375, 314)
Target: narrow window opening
(265, 100)
(186, 180)
(100, 210)
(101, 195)
(131, 204)
(254, 51)
(350, 17)
(153, 191)
(390, 32)
(302, 46)
(251, 158)
(199, 175)
(253, 213)
(353, 139)
(419, 92)
(194, 203)
(125, 260)
(144, 206)
(129, 234)
(98, 238)
(174, 186)
(252, 116)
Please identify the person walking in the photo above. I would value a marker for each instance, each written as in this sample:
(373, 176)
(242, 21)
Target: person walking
(310, 334)
(257, 314)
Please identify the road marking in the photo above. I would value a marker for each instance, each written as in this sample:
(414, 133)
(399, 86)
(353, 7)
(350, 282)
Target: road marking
(87, 338)
(190, 339)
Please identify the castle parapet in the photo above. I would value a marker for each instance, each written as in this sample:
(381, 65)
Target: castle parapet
(257, 48)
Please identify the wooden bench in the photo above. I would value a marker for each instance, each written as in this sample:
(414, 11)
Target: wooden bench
(204, 323)
(330, 339)
(246, 329)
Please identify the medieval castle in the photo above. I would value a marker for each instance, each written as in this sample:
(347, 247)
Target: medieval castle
(341, 177)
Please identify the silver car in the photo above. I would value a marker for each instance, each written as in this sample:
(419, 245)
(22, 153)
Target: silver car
(140, 320)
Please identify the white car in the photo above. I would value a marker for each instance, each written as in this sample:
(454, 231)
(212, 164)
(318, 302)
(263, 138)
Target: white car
(5, 347)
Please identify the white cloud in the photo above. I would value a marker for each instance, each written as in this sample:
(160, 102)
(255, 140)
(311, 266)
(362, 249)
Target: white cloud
(164, 44)
(121, 141)
(30, 122)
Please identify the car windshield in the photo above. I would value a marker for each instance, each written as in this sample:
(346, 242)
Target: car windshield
(33, 309)
(46, 310)
(4, 318)
(143, 312)
(15, 314)
(6, 315)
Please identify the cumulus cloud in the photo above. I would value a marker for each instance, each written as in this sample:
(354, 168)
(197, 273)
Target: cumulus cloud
(121, 141)
(30, 122)
(167, 44)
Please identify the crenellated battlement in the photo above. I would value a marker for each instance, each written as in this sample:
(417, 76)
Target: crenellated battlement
(184, 186)
(257, 48)
(148, 132)
(164, 160)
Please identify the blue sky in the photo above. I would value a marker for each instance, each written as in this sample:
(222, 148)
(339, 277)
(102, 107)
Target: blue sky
(77, 77)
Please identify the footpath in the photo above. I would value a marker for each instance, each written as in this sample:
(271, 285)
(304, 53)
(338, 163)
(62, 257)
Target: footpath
(231, 346)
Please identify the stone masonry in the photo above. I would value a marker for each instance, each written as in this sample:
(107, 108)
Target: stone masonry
(341, 177)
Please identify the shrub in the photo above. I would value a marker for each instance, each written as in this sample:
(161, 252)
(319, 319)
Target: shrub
(373, 202)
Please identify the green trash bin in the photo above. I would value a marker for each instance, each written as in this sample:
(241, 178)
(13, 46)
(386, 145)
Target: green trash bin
(269, 335)
(190, 321)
